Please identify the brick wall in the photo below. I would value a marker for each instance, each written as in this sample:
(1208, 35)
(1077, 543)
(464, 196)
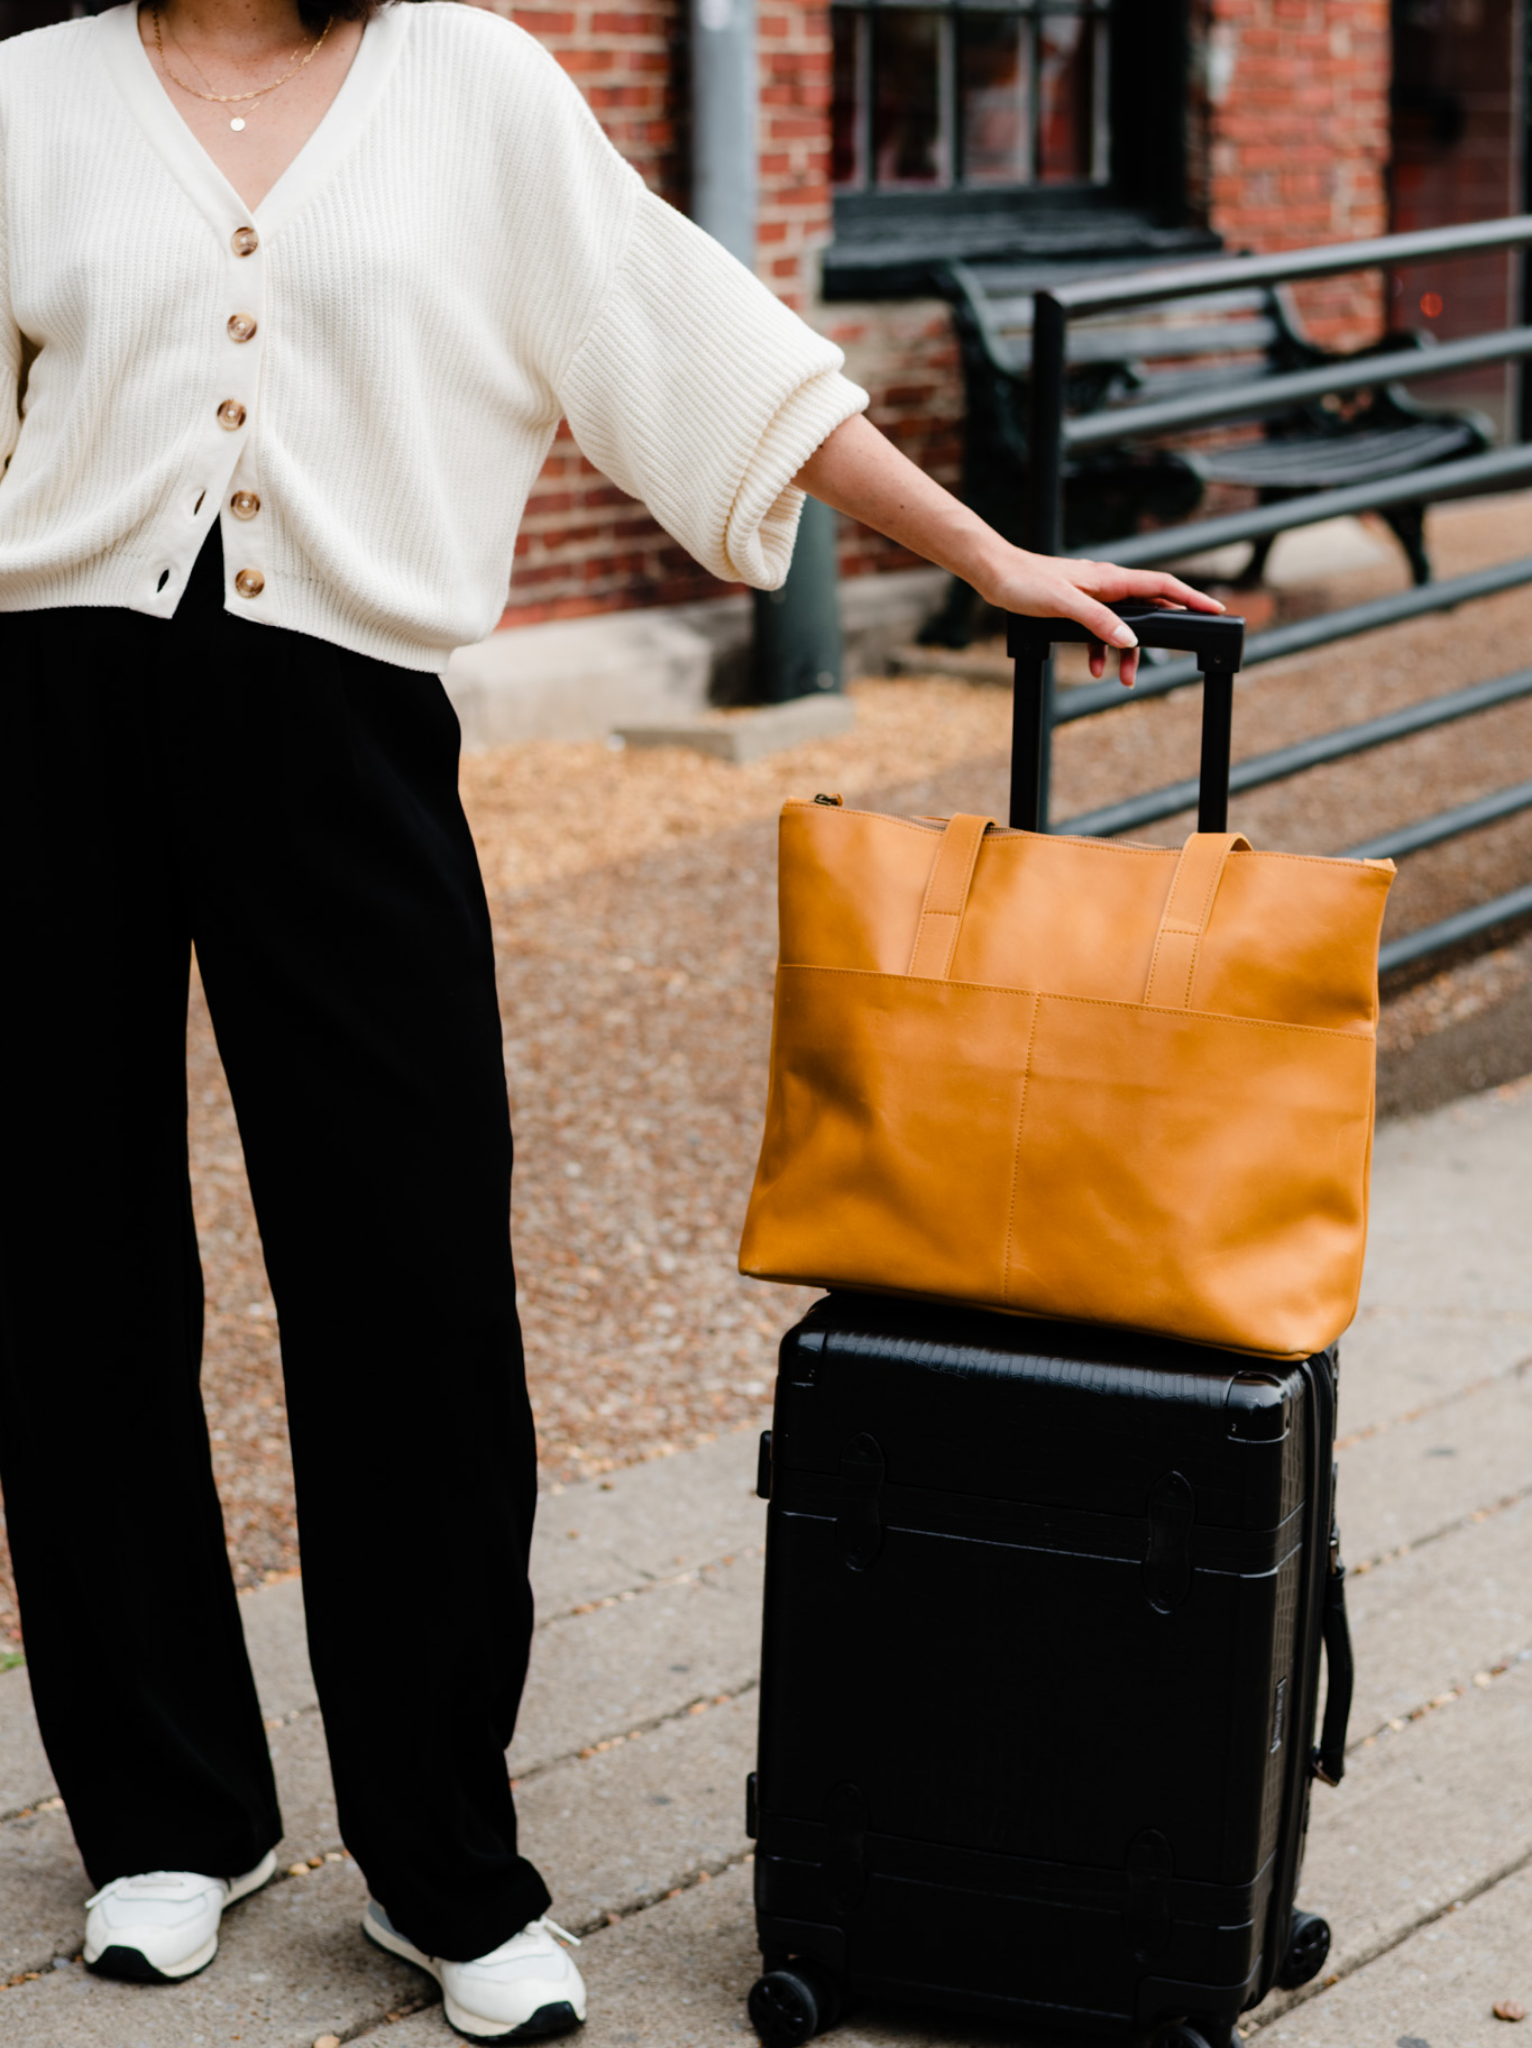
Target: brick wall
(905, 356)
(1289, 121)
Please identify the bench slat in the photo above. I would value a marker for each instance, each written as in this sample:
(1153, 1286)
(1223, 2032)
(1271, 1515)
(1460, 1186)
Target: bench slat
(1326, 461)
(1139, 344)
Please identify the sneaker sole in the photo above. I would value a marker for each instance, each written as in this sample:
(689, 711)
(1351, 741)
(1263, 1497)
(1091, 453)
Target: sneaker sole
(132, 1966)
(545, 2024)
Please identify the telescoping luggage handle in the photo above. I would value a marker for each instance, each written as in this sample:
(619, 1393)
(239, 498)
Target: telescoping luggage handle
(1219, 645)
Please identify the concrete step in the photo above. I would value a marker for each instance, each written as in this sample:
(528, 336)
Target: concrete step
(25, 1777)
(601, 1538)
(42, 1887)
(1416, 1826)
(1424, 1817)
(292, 1967)
(623, 1828)
(1394, 1360)
(1438, 1989)
(1447, 1293)
(1434, 1619)
(676, 1976)
(647, 1656)
(1451, 1205)
(1406, 1482)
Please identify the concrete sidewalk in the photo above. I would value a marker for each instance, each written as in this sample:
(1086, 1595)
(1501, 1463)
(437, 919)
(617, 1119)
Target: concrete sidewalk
(638, 1728)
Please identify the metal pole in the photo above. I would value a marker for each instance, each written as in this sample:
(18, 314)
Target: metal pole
(797, 647)
(1217, 739)
(1045, 453)
(1027, 740)
(725, 98)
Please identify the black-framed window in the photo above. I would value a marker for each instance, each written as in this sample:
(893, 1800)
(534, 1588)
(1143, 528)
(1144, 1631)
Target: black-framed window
(1005, 131)
(971, 94)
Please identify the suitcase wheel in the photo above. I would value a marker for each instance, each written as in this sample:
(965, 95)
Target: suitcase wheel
(793, 2004)
(1308, 1948)
(1179, 2035)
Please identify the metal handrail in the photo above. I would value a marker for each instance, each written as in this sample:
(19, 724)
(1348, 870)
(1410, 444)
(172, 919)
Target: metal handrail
(1052, 436)
(1303, 636)
(1470, 477)
(1282, 763)
(1484, 810)
(1333, 259)
(1264, 395)
(1452, 931)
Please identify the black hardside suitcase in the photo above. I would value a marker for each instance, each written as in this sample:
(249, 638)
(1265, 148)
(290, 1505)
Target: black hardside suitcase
(1044, 1614)
(1044, 1621)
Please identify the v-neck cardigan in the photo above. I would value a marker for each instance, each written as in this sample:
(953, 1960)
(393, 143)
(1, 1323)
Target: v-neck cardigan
(455, 260)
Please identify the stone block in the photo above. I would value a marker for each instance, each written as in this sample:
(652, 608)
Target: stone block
(749, 735)
(577, 679)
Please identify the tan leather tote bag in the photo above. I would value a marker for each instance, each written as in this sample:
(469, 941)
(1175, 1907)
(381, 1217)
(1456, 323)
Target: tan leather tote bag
(1072, 1077)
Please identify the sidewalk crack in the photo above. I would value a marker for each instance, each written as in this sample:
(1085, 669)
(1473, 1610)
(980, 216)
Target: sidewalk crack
(693, 1575)
(1480, 1681)
(1471, 1519)
(1285, 2002)
(1433, 1407)
(701, 1705)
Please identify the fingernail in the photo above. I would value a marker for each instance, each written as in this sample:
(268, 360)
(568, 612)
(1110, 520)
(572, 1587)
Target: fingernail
(1125, 637)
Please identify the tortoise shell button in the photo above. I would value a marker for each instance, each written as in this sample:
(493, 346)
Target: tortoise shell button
(244, 241)
(250, 583)
(244, 504)
(231, 415)
(241, 326)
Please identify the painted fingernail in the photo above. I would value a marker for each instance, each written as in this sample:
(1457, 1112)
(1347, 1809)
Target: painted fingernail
(1125, 637)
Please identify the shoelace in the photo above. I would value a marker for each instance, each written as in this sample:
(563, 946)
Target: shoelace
(563, 1933)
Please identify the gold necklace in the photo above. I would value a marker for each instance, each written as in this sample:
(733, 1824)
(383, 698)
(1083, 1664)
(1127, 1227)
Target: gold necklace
(235, 98)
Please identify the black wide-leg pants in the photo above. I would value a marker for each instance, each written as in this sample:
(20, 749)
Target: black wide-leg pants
(289, 810)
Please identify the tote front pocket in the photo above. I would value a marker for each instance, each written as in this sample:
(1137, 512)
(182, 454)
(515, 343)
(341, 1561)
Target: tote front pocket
(890, 1138)
(1201, 1176)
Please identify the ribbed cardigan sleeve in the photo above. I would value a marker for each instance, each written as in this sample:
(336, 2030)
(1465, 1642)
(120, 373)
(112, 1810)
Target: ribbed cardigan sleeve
(699, 392)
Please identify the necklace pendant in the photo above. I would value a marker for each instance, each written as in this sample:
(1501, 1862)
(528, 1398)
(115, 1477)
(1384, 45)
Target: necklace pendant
(238, 121)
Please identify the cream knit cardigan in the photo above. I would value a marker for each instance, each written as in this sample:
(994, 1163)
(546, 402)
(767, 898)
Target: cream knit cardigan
(456, 259)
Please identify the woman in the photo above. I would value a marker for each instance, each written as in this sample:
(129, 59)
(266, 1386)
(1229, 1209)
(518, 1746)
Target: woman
(290, 308)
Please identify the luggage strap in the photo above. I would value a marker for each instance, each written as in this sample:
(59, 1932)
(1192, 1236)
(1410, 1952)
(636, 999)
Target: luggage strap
(1193, 888)
(941, 914)
(1329, 1760)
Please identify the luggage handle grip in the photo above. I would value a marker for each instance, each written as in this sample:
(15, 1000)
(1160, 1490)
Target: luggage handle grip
(1217, 641)
(1329, 1760)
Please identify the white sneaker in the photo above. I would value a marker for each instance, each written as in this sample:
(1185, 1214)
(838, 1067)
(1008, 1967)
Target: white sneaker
(527, 1989)
(163, 1926)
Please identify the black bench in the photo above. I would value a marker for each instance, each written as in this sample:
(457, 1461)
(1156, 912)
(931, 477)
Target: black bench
(1117, 360)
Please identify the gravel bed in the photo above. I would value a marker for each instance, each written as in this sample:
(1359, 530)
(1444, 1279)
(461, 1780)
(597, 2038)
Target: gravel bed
(633, 897)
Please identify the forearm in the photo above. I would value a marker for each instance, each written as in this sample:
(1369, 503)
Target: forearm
(861, 473)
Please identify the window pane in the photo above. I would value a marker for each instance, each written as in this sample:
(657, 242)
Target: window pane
(1066, 97)
(907, 96)
(994, 84)
(845, 127)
